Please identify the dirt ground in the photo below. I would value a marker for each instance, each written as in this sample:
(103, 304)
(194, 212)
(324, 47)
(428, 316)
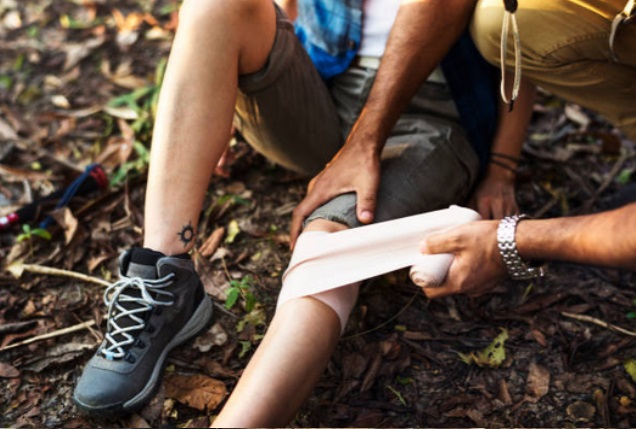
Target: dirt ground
(78, 84)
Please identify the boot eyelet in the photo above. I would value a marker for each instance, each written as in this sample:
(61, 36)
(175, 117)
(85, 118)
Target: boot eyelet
(130, 358)
(150, 329)
(140, 344)
(158, 311)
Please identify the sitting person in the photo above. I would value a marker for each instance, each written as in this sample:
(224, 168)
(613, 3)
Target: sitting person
(585, 52)
(369, 102)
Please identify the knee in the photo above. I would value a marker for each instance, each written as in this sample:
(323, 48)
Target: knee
(325, 225)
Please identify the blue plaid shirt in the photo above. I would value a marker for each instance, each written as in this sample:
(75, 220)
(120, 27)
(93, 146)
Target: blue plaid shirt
(330, 31)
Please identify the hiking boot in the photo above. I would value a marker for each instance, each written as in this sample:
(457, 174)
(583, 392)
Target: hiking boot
(158, 303)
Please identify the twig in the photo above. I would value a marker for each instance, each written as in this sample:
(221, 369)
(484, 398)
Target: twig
(383, 324)
(543, 210)
(53, 334)
(41, 269)
(599, 322)
(608, 180)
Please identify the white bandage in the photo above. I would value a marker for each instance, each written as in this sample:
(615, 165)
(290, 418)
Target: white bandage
(324, 261)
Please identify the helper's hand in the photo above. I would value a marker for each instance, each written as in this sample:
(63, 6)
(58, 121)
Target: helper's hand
(494, 197)
(477, 266)
(355, 168)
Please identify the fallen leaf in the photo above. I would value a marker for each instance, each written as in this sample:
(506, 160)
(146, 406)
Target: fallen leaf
(504, 393)
(6, 131)
(64, 217)
(580, 411)
(8, 371)
(212, 243)
(630, 367)
(232, 231)
(16, 269)
(127, 113)
(493, 355)
(538, 381)
(215, 336)
(60, 101)
(76, 52)
(12, 20)
(575, 114)
(123, 75)
(539, 337)
(57, 355)
(197, 391)
(136, 421)
(213, 368)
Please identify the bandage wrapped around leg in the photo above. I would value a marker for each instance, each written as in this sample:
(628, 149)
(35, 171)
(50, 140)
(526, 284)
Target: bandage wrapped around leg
(324, 261)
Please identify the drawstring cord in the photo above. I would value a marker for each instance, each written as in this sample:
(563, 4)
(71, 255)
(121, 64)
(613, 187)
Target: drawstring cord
(624, 16)
(509, 17)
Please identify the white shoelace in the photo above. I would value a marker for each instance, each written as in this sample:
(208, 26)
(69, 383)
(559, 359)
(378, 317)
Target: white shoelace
(114, 296)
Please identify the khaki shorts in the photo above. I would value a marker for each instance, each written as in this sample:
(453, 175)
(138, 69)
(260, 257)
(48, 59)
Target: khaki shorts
(287, 113)
(566, 50)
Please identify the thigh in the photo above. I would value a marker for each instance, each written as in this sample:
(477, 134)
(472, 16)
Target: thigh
(566, 50)
(553, 32)
(285, 111)
(427, 164)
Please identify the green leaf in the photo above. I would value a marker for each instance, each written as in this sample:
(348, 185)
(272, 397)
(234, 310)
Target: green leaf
(492, 356)
(246, 346)
(130, 99)
(630, 367)
(397, 394)
(624, 176)
(40, 232)
(232, 297)
(6, 82)
(26, 234)
(232, 231)
(246, 282)
(142, 151)
(250, 302)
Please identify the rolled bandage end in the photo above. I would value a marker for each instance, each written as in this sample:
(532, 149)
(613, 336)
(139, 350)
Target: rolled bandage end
(431, 270)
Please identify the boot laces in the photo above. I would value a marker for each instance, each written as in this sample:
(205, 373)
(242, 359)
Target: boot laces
(127, 300)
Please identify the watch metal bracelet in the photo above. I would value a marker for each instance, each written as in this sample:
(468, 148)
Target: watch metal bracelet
(516, 267)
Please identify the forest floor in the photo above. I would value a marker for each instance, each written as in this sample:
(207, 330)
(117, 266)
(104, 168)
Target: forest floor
(78, 84)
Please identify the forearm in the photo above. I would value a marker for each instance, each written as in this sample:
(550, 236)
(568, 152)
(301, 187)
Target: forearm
(607, 238)
(511, 129)
(422, 34)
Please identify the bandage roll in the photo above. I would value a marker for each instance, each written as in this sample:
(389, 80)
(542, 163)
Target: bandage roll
(431, 270)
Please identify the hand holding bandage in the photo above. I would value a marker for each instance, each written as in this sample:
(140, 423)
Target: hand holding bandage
(478, 266)
(324, 261)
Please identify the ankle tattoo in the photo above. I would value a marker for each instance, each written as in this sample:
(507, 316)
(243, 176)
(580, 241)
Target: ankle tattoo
(186, 235)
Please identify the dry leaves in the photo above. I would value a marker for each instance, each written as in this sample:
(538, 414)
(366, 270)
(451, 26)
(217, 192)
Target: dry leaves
(8, 371)
(197, 391)
(538, 381)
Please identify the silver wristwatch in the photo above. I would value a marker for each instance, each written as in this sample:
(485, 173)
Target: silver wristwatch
(517, 268)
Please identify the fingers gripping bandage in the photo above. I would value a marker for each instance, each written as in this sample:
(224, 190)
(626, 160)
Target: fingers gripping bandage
(327, 261)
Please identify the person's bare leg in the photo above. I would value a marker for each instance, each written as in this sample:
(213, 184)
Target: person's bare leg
(216, 41)
(287, 364)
